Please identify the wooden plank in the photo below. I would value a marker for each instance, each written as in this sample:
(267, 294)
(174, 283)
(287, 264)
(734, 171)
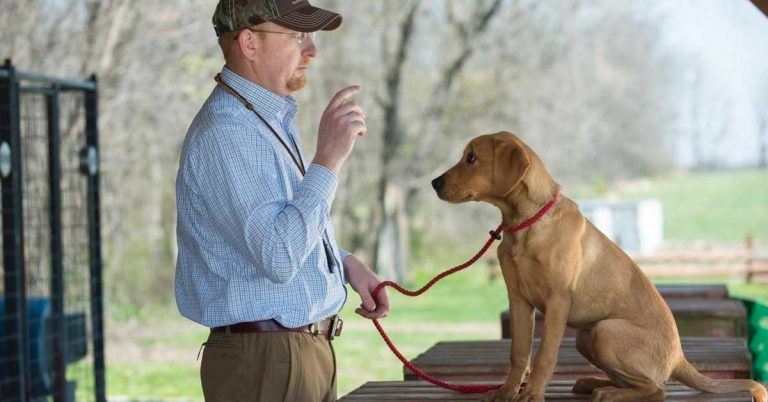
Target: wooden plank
(709, 317)
(717, 291)
(556, 391)
(488, 360)
(758, 270)
(694, 317)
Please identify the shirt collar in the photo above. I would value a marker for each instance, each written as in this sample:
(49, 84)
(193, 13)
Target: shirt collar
(265, 102)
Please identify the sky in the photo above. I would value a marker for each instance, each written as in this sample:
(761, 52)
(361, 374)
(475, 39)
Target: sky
(725, 44)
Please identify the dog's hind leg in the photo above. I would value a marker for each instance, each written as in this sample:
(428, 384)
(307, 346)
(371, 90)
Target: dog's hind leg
(588, 384)
(633, 388)
(638, 371)
(650, 392)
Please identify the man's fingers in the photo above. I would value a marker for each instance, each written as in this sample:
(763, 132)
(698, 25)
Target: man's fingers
(367, 301)
(343, 95)
(376, 314)
(350, 107)
(382, 303)
(383, 299)
(353, 116)
(360, 127)
(381, 306)
(352, 119)
(354, 123)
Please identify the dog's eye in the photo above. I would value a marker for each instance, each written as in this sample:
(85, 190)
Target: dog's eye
(471, 158)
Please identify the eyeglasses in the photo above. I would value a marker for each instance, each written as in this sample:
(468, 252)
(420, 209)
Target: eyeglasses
(299, 37)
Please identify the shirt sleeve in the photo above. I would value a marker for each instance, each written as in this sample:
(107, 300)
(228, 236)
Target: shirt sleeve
(238, 176)
(343, 254)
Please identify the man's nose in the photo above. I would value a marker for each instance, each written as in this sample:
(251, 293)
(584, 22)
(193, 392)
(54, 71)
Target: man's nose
(310, 48)
(438, 183)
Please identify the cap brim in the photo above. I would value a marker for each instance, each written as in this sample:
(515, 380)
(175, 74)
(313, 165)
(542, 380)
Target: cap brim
(310, 19)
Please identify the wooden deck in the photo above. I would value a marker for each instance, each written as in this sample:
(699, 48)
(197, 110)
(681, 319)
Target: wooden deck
(556, 391)
(489, 360)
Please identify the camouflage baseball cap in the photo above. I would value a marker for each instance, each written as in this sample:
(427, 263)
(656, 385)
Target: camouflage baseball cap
(298, 15)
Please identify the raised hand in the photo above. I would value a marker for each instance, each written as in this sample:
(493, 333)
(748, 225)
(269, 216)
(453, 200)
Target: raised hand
(342, 122)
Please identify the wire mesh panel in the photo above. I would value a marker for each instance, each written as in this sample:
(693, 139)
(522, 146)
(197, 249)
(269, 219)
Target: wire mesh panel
(75, 245)
(37, 239)
(51, 343)
(36, 194)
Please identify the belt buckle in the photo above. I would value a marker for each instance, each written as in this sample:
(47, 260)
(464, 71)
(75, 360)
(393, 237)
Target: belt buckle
(314, 328)
(334, 327)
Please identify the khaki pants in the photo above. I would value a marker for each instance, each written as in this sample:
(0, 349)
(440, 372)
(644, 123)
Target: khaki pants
(268, 367)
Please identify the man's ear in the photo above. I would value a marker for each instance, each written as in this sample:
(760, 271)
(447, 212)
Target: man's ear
(510, 163)
(246, 40)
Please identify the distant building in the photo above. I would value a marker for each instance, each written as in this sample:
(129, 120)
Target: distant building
(636, 226)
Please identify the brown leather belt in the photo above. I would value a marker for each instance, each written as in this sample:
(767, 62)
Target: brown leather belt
(329, 327)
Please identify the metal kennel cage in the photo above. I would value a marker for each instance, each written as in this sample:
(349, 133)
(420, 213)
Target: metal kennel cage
(51, 308)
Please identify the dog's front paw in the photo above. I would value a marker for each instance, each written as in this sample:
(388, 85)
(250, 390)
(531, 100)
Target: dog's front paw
(505, 393)
(528, 396)
(605, 394)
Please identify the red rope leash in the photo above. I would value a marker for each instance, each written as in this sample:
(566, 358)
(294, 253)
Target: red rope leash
(416, 370)
(495, 235)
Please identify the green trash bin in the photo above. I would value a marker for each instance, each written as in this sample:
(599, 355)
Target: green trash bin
(747, 303)
(758, 316)
(758, 343)
(758, 340)
(760, 366)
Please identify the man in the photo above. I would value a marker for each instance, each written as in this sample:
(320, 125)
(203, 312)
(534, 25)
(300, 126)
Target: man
(258, 261)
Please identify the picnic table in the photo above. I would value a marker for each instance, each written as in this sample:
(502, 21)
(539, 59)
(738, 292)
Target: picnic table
(488, 360)
(699, 310)
(556, 391)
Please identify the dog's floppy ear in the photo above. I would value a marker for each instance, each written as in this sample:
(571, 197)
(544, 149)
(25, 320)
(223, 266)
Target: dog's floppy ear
(510, 164)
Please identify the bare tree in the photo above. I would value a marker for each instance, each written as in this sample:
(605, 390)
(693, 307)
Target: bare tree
(390, 256)
(402, 151)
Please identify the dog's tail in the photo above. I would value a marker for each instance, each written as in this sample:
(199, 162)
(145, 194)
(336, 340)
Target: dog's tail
(688, 375)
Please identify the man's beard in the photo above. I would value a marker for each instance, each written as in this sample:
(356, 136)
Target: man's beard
(294, 84)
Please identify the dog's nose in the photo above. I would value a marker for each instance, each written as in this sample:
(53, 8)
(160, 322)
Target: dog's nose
(438, 183)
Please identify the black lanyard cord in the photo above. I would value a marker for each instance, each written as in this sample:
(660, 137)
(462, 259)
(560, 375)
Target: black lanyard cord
(296, 159)
(329, 258)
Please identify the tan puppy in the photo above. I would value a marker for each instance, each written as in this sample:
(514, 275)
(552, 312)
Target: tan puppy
(576, 276)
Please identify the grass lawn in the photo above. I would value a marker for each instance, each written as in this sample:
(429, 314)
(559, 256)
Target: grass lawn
(141, 381)
(713, 206)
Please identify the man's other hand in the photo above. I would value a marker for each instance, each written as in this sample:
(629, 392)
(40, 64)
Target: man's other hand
(363, 280)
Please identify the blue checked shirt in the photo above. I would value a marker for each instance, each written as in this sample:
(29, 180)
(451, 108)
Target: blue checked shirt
(250, 226)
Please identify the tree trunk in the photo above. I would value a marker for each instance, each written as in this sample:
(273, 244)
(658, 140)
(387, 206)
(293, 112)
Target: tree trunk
(390, 251)
(392, 246)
